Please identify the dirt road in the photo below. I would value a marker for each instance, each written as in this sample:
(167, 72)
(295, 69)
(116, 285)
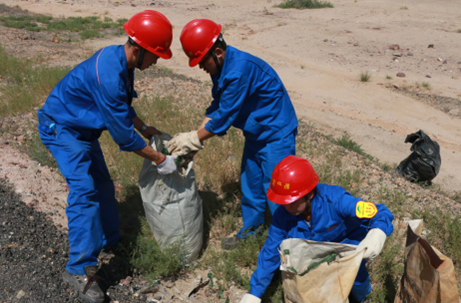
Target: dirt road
(319, 54)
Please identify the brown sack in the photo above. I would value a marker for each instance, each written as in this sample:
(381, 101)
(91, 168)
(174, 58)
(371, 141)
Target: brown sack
(429, 276)
(327, 283)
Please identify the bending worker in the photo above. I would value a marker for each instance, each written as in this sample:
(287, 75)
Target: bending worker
(319, 212)
(249, 95)
(96, 96)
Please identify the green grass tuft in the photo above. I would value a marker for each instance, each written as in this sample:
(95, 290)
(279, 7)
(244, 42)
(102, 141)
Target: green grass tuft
(365, 76)
(304, 4)
(346, 142)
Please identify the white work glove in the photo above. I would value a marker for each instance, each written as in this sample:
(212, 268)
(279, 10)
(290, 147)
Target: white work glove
(247, 298)
(373, 242)
(183, 144)
(167, 166)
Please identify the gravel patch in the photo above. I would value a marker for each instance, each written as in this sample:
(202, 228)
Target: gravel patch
(33, 254)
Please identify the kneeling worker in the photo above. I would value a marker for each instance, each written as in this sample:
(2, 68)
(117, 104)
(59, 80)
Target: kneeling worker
(319, 212)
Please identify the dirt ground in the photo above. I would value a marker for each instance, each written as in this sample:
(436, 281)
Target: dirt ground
(319, 55)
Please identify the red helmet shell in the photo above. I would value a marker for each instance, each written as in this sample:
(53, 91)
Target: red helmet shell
(292, 178)
(152, 31)
(197, 38)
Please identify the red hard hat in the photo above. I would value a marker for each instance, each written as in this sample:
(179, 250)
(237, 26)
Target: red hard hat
(292, 178)
(197, 38)
(152, 31)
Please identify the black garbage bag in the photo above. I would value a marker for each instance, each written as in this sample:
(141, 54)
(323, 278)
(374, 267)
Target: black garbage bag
(423, 164)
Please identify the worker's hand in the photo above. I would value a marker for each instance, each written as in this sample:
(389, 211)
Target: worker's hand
(183, 144)
(373, 243)
(150, 131)
(247, 298)
(167, 166)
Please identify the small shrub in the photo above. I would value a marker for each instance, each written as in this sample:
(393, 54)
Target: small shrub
(388, 77)
(426, 85)
(303, 4)
(153, 262)
(404, 7)
(365, 76)
(89, 34)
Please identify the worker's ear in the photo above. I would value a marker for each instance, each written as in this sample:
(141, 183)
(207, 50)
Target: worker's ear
(136, 50)
(219, 52)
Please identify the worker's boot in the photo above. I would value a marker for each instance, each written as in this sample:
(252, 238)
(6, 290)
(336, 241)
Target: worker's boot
(86, 285)
(231, 243)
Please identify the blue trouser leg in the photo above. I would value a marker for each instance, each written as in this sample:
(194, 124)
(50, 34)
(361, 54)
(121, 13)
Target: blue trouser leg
(258, 162)
(362, 286)
(91, 195)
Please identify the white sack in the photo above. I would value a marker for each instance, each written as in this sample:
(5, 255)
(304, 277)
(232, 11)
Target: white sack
(172, 204)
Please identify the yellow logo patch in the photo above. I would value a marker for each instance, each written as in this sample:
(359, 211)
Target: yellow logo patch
(365, 210)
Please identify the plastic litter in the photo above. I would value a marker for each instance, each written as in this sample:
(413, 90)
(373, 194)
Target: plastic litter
(423, 164)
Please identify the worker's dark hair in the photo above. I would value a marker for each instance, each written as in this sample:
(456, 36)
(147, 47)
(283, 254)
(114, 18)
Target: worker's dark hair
(132, 43)
(219, 43)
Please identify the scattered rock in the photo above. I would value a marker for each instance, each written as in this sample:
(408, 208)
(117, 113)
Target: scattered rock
(428, 76)
(132, 4)
(400, 75)
(397, 54)
(439, 59)
(325, 40)
(452, 87)
(430, 46)
(356, 44)
(395, 59)
(20, 294)
(394, 47)
(445, 62)
(409, 54)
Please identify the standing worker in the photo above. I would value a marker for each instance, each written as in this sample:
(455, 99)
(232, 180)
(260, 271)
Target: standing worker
(318, 212)
(249, 95)
(93, 97)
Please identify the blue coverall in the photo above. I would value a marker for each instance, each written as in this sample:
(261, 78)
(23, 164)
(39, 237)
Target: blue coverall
(333, 219)
(95, 96)
(249, 95)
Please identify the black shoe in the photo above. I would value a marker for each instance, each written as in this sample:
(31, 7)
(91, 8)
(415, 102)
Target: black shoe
(86, 285)
(231, 243)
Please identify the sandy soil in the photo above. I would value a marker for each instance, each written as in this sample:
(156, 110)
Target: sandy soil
(319, 54)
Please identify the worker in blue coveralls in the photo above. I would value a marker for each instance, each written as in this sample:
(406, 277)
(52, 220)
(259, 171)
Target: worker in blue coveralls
(96, 96)
(249, 95)
(319, 212)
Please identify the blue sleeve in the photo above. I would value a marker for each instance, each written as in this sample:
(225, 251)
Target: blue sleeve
(233, 93)
(132, 114)
(117, 116)
(269, 258)
(346, 209)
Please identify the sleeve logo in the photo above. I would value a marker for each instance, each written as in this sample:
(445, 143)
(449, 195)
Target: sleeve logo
(365, 210)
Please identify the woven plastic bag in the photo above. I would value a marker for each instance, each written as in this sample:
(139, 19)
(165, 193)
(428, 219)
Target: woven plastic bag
(429, 276)
(314, 272)
(172, 204)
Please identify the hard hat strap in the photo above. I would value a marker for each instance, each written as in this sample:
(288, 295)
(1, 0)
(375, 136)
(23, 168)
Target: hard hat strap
(218, 65)
(141, 57)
